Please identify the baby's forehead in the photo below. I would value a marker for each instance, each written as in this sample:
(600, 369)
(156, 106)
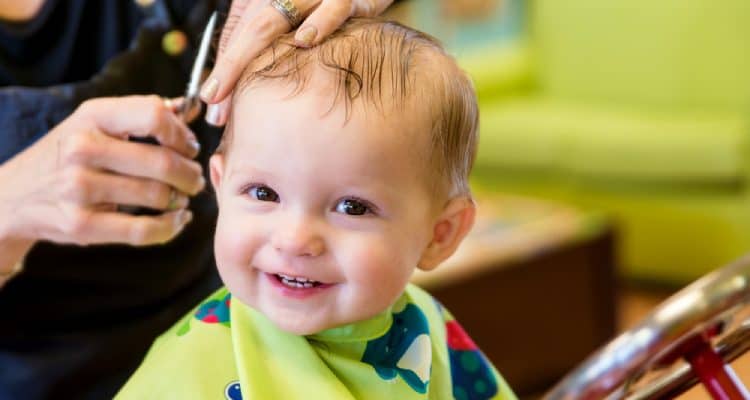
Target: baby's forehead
(270, 105)
(266, 121)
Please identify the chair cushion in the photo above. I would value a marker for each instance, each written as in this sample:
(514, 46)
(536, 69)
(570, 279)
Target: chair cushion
(535, 133)
(671, 54)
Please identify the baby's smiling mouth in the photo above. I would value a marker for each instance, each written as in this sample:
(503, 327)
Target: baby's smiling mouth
(297, 282)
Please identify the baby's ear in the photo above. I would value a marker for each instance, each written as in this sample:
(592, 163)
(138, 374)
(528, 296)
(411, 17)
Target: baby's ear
(216, 166)
(451, 227)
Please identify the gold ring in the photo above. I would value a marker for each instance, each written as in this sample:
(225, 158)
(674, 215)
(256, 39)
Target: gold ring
(288, 10)
(172, 205)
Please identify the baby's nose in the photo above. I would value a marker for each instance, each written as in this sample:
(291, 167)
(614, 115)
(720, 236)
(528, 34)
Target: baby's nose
(298, 238)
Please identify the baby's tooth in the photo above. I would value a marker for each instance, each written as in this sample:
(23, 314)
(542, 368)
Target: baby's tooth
(300, 282)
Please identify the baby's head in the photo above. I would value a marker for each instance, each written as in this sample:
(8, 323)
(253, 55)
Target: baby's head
(343, 167)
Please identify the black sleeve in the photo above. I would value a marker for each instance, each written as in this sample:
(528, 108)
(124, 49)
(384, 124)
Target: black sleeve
(27, 114)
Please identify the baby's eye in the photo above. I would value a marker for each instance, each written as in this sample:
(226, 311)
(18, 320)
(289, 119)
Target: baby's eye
(353, 207)
(263, 193)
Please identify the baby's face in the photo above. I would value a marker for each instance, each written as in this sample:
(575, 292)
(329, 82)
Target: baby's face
(321, 222)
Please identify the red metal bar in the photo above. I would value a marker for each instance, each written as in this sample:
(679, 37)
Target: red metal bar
(717, 377)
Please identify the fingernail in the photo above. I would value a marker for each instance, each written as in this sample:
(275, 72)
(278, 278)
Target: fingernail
(213, 115)
(201, 183)
(183, 217)
(305, 36)
(209, 89)
(223, 115)
(195, 145)
(177, 103)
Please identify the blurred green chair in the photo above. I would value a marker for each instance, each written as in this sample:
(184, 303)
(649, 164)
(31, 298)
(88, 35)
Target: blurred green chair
(637, 108)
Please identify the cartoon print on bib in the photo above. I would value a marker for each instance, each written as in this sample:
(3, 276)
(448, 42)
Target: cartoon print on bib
(471, 374)
(405, 350)
(212, 311)
(232, 391)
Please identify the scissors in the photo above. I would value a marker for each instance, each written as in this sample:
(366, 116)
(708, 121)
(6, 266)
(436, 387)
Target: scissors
(191, 102)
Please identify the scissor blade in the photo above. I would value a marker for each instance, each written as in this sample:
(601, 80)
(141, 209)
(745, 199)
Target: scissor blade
(200, 59)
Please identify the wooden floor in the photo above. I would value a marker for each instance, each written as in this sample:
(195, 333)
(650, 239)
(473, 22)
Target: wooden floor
(637, 303)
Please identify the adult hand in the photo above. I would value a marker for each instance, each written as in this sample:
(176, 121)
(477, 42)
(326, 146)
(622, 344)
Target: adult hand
(64, 188)
(251, 27)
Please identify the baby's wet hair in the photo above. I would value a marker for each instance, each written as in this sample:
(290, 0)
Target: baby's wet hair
(393, 69)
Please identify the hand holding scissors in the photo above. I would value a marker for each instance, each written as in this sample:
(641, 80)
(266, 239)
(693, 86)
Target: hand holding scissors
(67, 185)
(86, 170)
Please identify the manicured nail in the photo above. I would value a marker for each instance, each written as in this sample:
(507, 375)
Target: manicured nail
(183, 217)
(168, 104)
(213, 114)
(178, 103)
(195, 145)
(209, 89)
(223, 115)
(305, 37)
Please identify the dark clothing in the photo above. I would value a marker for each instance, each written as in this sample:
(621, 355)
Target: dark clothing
(78, 321)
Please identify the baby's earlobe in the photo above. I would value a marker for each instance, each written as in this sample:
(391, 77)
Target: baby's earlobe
(216, 170)
(452, 226)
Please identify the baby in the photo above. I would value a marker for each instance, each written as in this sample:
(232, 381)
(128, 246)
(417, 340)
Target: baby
(343, 168)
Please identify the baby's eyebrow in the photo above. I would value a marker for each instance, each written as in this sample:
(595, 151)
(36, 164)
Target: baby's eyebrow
(246, 168)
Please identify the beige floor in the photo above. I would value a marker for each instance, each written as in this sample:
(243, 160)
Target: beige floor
(635, 304)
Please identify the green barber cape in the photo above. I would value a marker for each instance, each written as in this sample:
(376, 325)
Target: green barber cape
(226, 350)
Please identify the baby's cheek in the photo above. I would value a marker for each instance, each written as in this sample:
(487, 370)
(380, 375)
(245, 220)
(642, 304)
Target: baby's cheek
(233, 245)
(381, 267)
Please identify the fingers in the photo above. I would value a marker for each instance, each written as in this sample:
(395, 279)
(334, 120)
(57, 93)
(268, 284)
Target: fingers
(236, 11)
(217, 114)
(254, 31)
(141, 116)
(148, 161)
(176, 105)
(94, 227)
(100, 189)
(329, 15)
